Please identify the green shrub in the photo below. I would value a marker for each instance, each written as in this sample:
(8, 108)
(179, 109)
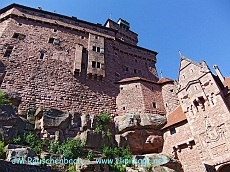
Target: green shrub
(90, 156)
(53, 147)
(71, 168)
(108, 134)
(103, 119)
(30, 139)
(71, 148)
(2, 148)
(4, 99)
(118, 168)
(117, 152)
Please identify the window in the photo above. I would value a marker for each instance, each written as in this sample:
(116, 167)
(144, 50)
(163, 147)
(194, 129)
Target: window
(98, 64)
(96, 37)
(106, 31)
(20, 24)
(171, 90)
(42, 56)
(98, 49)
(94, 48)
(82, 37)
(121, 88)
(102, 50)
(54, 41)
(172, 131)
(19, 36)
(8, 51)
(154, 105)
(124, 108)
(55, 30)
(166, 104)
(93, 64)
(135, 70)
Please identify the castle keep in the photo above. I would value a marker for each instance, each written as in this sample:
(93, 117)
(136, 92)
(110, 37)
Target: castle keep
(55, 61)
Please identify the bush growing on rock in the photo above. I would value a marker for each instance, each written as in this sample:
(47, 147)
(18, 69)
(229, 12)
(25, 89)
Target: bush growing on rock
(4, 99)
(70, 148)
(30, 139)
(117, 152)
(103, 120)
(1, 148)
(53, 147)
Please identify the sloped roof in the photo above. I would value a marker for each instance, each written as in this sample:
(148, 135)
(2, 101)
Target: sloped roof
(161, 81)
(175, 117)
(135, 79)
(164, 80)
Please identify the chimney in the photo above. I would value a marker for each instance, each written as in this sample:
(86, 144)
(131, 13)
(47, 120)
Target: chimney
(219, 74)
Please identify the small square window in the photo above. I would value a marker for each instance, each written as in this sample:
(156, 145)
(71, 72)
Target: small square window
(172, 131)
(154, 105)
(82, 37)
(93, 64)
(54, 41)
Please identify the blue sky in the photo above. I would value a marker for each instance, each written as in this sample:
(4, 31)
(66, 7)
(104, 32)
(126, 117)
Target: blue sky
(199, 28)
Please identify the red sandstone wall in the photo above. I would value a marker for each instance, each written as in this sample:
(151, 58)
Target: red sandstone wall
(171, 101)
(54, 80)
(189, 157)
(50, 82)
(152, 94)
(130, 99)
(209, 121)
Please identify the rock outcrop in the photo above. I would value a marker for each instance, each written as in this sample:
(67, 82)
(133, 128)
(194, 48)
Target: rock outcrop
(140, 132)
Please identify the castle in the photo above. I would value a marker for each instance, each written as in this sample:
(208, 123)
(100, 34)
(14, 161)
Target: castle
(61, 62)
